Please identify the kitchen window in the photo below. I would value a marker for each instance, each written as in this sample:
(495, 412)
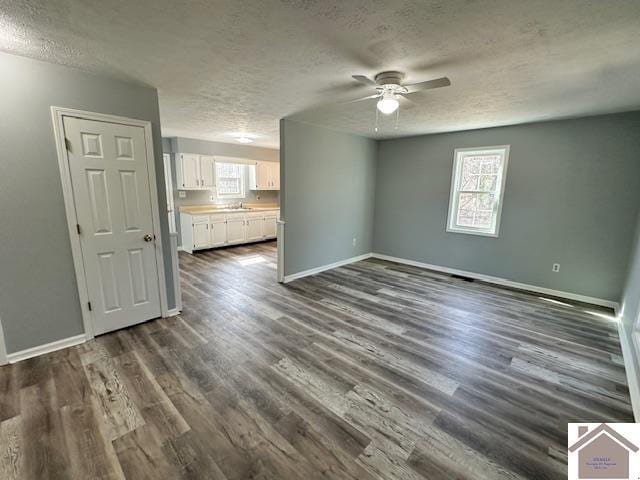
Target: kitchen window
(230, 180)
(477, 188)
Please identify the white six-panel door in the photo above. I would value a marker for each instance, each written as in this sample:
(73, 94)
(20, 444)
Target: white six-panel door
(112, 196)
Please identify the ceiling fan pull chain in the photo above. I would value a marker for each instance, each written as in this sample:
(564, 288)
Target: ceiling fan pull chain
(397, 117)
(376, 127)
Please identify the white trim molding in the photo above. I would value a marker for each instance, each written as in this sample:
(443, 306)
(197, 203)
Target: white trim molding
(47, 348)
(502, 281)
(3, 347)
(629, 347)
(280, 225)
(175, 265)
(57, 116)
(322, 268)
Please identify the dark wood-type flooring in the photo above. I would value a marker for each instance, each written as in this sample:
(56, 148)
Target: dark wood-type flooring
(370, 371)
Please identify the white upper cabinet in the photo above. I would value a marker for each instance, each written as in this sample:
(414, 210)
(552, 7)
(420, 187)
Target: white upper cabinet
(195, 172)
(264, 176)
(188, 171)
(275, 175)
(207, 166)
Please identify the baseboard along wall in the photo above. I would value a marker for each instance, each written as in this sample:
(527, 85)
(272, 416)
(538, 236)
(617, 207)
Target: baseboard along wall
(322, 268)
(502, 281)
(46, 348)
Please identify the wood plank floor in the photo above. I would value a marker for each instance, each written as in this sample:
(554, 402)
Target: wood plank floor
(370, 371)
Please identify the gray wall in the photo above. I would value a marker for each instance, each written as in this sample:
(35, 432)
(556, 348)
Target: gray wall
(38, 293)
(203, 147)
(329, 196)
(572, 196)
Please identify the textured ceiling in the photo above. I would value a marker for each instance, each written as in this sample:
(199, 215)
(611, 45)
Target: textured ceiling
(230, 65)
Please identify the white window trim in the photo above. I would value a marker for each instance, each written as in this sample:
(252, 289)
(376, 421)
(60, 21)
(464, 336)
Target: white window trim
(453, 197)
(243, 181)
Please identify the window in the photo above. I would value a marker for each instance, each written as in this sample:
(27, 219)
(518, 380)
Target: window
(477, 187)
(230, 180)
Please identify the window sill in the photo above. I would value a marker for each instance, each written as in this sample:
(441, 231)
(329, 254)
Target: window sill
(472, 232)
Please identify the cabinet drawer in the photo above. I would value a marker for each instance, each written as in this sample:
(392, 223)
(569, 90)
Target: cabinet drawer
(200, 219)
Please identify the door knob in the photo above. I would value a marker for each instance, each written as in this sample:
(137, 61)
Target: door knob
(148, 238)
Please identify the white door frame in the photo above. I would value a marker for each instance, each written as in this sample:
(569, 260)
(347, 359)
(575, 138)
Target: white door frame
(168, 180)
(57, 114)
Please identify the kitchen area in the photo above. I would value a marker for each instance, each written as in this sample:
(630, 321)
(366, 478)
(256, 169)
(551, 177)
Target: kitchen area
(219, 194)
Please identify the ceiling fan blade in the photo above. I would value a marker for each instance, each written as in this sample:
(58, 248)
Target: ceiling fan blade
(404, 99)
(375, 95)
(365, 80)
(429, 84)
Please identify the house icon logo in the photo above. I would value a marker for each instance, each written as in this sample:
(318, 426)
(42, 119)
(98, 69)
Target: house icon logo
(603, 451)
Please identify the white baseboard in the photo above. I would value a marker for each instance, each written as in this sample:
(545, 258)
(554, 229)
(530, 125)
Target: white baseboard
(46, 348)
(173, 312)
(313, 271)
(502, 281)
(180, 249)
(628, 348)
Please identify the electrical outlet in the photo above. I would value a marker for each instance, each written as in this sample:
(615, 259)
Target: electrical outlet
(355, 241)
(556, 267)
(182, 194)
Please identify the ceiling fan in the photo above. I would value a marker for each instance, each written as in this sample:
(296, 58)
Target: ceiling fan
(389, 89)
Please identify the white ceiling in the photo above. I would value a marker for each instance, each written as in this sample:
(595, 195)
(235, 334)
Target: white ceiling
(230, 66)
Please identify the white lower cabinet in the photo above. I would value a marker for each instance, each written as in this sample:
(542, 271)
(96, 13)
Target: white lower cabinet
(218, 231)
(201, 238)
(254, 228)
(270, 226)
(236, 232)
(229, 228)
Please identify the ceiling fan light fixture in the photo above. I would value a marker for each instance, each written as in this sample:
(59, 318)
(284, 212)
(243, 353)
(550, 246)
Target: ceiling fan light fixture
(388, 104)
(244, 139)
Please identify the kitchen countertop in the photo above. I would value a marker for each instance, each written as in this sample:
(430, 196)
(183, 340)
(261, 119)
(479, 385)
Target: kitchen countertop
(208, 209)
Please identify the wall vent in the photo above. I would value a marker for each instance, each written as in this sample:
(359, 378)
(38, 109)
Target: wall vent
(461, 277)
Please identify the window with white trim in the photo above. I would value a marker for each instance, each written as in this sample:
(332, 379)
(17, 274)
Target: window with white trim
(230, 180)
(477, 187)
